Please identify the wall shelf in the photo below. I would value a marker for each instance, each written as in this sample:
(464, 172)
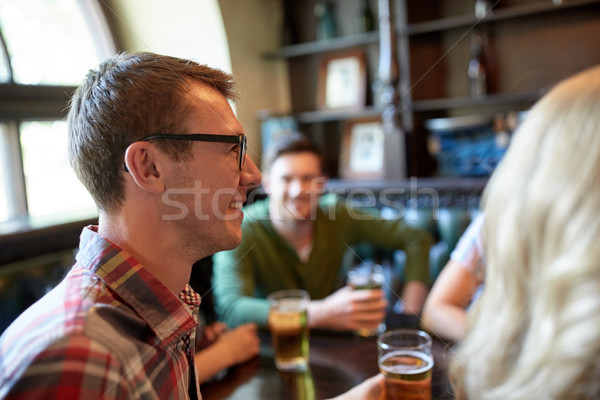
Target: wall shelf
(339, 43)
(523, 39)
(309, 117)
(346, 42)
(467, 102)
(494, 16)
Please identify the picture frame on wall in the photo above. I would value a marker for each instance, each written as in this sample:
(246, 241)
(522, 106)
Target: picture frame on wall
(342, 82)
(273, 127)
(362, 152)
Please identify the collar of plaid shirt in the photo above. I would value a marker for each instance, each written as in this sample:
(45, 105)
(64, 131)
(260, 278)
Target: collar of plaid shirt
(162, 311)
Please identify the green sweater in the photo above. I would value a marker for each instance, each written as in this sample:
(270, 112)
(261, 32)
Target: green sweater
(265, 262)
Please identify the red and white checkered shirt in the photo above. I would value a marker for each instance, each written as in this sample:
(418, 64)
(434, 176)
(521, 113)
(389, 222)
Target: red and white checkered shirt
(110, 330)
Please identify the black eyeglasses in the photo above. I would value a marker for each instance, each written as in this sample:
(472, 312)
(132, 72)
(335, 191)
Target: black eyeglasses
(241, 140)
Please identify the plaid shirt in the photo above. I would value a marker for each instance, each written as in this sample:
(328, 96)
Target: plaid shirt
(109, 330)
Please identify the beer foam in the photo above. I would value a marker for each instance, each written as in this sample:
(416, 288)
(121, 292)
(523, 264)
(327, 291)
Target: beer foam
(290, 305)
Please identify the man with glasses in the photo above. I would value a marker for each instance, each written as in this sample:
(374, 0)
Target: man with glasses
(155, 141)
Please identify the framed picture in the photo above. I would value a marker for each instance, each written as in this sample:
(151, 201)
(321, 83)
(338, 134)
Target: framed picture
(275, 127)
(342, 81)
(362, 153)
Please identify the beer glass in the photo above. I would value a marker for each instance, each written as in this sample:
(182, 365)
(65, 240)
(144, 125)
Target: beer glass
(367, 276)
(289, 328)
(406, 362)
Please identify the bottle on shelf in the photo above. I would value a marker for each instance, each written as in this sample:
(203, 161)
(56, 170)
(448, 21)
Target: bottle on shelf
(482, 8)
(476, 70)
(365, 19)
(325, 24)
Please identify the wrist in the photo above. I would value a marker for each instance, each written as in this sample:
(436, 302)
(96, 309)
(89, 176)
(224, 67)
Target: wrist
(314, 313)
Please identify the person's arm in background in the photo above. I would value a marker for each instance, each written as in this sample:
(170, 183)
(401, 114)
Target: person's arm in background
(395, 234)
(344, 309)
(445, 311)
(416, 244)
(263, 256)
(348, 310)
(227, 348)
(233, 284)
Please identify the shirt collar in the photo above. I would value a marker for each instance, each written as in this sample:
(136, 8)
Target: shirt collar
(169, 316)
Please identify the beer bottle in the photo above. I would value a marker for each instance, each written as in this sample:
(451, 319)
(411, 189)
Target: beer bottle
(476, 68)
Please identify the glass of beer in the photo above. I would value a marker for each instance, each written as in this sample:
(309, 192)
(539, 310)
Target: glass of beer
(406, 362)
(367, 276)
(289, 329)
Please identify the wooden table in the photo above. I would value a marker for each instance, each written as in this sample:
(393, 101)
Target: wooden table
(338, 361)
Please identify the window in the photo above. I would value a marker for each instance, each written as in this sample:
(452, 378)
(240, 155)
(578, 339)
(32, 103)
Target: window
(50, 183)
(12, 198)
(46, 48)
(4, 66)
(49, 41)
(5, 169)
(3, 203)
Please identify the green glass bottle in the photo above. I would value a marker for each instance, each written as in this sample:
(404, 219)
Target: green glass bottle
(365, 19)
(325, 24)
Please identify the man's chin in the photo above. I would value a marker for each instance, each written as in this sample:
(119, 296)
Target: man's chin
(224, 243)
(233, 241)
(301, 215)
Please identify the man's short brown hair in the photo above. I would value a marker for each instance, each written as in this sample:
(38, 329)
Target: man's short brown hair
(130, 96)
(291, 143)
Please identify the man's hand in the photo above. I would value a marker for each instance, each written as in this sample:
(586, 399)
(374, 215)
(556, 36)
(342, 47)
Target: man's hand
(239, 344)
(227, 349)
(348, 309)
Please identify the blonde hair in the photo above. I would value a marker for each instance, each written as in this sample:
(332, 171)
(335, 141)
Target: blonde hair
(535, 333)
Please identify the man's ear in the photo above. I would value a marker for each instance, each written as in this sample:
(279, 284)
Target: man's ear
(141, 159)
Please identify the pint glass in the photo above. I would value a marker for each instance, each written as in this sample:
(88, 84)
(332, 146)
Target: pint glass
(289, 329)
(406, 362)
(363, 277)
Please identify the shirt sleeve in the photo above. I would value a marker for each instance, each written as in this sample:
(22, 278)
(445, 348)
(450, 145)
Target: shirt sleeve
(393, 235)
(72, 368)
(469, 251)
(234, 287)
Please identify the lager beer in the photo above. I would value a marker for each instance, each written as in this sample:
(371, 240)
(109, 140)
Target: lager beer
(289, 333)
(367, 277)
(289, 329)
(407, 375)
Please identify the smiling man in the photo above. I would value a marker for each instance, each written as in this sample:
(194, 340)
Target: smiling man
(296, 239)
(156, 143)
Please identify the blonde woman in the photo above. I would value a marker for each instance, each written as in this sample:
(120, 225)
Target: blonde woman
(534, 333)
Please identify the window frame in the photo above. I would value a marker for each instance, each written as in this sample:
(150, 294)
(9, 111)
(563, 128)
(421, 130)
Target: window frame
(21, 237)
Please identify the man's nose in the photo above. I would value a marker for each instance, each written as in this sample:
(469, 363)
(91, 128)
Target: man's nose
(295, 187)
(251, 175)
